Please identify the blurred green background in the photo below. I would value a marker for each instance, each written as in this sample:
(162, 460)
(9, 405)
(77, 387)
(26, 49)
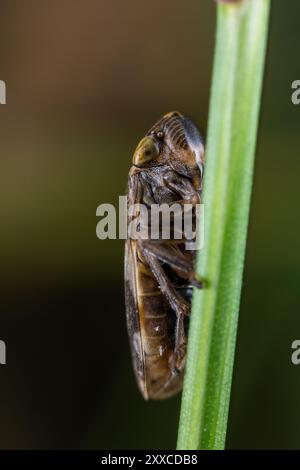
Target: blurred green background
(85, 80)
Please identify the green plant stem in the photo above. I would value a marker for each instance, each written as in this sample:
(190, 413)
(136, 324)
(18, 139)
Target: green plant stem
(233, 117)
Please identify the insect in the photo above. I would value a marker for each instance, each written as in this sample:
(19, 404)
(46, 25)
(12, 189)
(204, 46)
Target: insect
(167, 167)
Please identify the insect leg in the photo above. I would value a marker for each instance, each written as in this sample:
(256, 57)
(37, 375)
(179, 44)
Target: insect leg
(176, 302)
(169, 254)
(177, 361)
(183, 187)
(180, 345)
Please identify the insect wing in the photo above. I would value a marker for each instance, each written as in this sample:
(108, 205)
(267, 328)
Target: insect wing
(132, 314)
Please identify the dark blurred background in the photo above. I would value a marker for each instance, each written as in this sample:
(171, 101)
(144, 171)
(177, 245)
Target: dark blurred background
(85, 80)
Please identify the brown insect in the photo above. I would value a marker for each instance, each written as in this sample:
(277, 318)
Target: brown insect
(159, 274)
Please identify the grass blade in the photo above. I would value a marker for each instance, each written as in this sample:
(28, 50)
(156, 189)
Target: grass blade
(233, 117)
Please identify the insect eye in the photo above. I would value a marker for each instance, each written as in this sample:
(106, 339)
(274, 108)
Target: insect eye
(146, 151)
